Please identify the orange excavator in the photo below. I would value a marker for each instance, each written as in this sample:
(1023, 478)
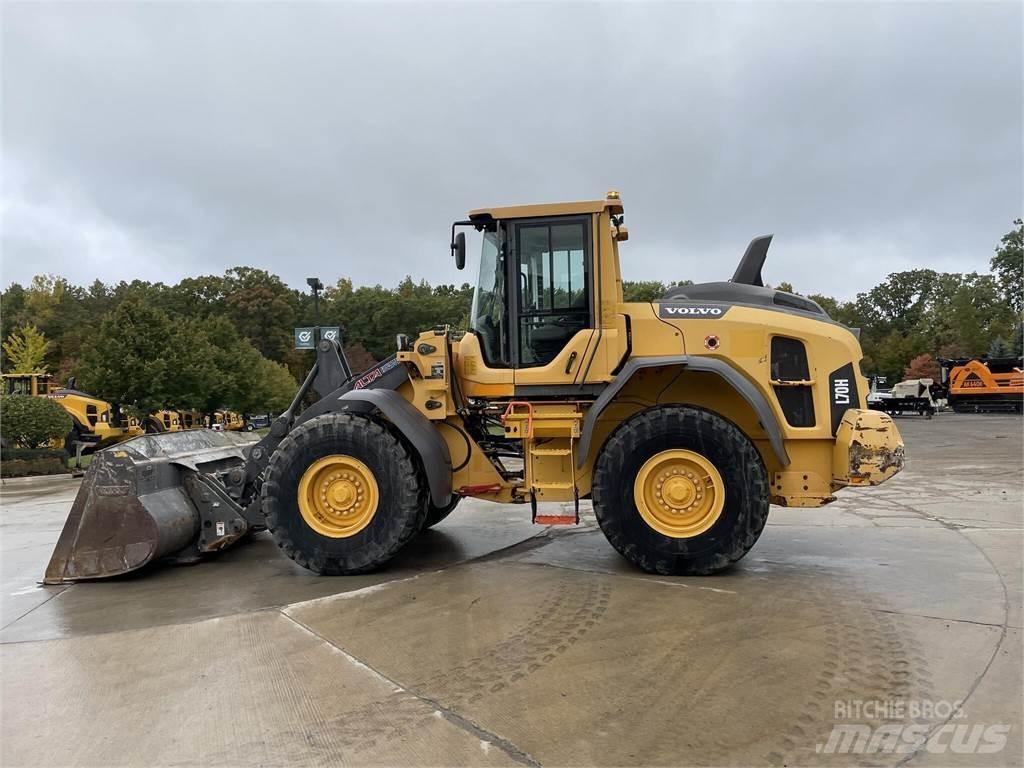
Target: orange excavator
(984, 384)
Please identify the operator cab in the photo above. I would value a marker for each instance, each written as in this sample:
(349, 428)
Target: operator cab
(27, 383)
(533, 291)
(535, 288)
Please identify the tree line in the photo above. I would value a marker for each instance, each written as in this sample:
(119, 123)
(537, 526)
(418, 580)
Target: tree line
(227, 340)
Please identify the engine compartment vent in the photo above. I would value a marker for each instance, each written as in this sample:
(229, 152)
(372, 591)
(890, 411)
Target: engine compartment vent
(791, 380)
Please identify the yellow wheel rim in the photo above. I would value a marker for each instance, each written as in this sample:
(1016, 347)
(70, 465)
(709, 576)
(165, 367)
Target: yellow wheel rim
(338, 496)
(679, 493)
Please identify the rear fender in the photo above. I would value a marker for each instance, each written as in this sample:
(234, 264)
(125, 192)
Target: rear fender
(730, 375)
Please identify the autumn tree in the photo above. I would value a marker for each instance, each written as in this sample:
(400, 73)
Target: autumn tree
(26, 350)
(922, 367)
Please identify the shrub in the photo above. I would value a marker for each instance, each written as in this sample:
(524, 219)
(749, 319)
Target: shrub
(22, 462)
(31, 422)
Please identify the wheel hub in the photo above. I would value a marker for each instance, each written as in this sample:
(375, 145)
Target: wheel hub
(338, 496)
(679, 493)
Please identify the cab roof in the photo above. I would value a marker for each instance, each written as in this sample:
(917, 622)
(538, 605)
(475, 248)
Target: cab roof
(612, 203)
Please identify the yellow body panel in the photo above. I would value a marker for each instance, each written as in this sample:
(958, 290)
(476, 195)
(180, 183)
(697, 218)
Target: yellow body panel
(95, 418)
(819, 463)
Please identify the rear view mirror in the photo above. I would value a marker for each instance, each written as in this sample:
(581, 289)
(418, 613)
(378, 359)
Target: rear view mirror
(459, 250)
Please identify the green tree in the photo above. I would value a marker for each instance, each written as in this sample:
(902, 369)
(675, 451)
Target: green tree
(32, 422)
(999, 348)
(892, 353)
(26, 350)
(140, 357)
(1008, 264)
(642, 290)
(272, 391)
(244, 380)
(262, 308)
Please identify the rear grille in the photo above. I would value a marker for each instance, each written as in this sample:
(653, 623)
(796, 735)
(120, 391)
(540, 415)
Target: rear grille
(789, 364)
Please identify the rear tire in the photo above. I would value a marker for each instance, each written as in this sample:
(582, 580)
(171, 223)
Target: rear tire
(400, 510)
(686, 430)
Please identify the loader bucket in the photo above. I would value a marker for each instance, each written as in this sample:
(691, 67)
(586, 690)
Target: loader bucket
(132, 507)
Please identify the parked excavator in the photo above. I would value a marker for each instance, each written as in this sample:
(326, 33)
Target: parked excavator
(682, 419)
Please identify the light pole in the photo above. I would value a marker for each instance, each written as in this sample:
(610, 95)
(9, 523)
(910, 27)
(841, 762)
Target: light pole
(316, 286)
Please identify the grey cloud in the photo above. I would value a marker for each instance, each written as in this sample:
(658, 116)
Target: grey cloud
(160, 140)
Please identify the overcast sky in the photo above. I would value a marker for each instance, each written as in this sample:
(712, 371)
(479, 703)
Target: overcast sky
(169, 139)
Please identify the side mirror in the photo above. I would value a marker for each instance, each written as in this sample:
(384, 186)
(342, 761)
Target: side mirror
(459, 250)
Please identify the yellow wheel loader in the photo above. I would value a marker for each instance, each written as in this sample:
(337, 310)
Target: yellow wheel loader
(682, 419)
(96, 423)
(164, 420)
(230, 421)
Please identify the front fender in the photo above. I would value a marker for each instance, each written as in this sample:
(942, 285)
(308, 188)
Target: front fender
(416, 428)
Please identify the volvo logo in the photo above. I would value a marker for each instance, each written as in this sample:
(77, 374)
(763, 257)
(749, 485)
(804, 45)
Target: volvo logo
(667, 310)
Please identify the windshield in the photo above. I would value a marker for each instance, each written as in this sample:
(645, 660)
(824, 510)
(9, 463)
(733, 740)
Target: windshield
(488, 313)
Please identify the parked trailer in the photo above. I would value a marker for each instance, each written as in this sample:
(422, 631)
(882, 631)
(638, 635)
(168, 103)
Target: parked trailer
(913, 396)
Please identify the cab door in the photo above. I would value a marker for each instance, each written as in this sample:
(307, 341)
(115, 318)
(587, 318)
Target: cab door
(552, 304)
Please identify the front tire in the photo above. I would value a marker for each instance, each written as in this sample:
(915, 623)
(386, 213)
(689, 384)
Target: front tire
(679, 490)
(342, 495)
(436, 514)
(72, 437)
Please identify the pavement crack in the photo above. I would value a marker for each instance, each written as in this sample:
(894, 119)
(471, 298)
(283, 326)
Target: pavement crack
(948, 619)
(958, 711)
(455, 718)
(34, 607)
(649, 579)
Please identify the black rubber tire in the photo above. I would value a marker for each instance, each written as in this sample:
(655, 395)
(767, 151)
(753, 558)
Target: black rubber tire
(70, 439)
(436, 514)
(153, 426)
(721, 442)
(400, 512)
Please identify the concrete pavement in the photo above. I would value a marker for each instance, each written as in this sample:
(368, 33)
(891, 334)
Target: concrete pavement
(492, 641)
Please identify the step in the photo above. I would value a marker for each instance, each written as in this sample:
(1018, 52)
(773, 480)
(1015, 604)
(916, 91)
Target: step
(554, 486)
(555, 520)
(551, 452)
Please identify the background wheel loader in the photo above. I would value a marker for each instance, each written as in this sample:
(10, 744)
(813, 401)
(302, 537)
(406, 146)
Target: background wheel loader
(96, 423)
(682, 419)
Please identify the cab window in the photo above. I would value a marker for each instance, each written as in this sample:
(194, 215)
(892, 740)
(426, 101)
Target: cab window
(488, 317)
(553, 287)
